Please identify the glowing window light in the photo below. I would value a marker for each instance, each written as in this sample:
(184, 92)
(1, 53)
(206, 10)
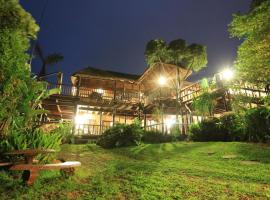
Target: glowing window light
(162, 80)
(169, 122)
(227, 74)
(83, 118)
(100, 91)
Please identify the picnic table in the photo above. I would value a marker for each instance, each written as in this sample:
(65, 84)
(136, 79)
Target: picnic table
(31, 170)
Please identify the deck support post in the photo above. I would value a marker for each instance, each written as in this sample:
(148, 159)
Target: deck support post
(144, 120)
(74, 118)
(114, 113)
(100, 123)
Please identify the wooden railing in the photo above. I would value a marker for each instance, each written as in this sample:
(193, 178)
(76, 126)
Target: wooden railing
(97, 94)
(190, 92)
(166, 129)
(90, 129)
(187, 94)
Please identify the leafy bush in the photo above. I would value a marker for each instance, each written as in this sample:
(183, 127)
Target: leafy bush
(231, 125)
(257, 124)
(121, 135)
(153, 137)
(252, 125)
(208, 130)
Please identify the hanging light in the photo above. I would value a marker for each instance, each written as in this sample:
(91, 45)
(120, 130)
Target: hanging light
(162, 80)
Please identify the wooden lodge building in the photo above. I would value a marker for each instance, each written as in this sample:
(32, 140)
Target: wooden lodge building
(98, 99)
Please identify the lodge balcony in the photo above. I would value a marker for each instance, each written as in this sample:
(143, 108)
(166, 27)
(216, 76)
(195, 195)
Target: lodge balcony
(187, 94)
(62, 105)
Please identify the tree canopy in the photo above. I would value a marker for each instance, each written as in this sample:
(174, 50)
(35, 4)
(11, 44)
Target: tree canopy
(253, 55)
(13, 16)
(177, 52)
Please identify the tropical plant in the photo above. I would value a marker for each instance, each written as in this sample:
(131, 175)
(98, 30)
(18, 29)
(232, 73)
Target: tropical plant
(205, 103)
(253, 28)
(47, 60)
(31, 140)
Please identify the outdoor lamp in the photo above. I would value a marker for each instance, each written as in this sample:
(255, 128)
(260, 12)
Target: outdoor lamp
(227, 74)
(162, 80)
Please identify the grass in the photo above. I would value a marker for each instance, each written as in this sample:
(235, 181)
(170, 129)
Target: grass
(212, 170)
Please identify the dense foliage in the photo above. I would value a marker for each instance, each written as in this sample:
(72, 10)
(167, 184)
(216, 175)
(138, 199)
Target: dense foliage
(121, 135)
(253, 60)
(257, 124)
(20, 93)
(252, 125)
(207, 130)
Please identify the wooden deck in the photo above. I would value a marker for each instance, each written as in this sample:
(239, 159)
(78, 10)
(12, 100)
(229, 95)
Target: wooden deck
(63, 104)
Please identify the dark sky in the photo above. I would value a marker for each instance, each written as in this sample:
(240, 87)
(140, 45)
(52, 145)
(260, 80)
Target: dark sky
(112, 34)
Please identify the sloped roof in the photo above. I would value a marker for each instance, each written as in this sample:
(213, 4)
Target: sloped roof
(91, 71)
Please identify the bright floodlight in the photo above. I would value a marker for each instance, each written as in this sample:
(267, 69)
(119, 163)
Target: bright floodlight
(227, 74)
(162, 80)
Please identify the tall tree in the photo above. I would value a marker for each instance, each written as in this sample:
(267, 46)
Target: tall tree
(190, 57)
(50, 59)
(253, 58)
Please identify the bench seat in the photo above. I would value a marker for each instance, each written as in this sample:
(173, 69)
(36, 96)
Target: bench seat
(3, 164)
(63, 165)
(30, 171)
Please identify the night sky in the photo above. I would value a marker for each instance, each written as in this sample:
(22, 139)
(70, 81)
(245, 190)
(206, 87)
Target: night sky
(112, 34)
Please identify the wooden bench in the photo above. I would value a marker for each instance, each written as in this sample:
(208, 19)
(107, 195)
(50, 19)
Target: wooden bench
(31, 168)
(5, 164)
(30, 171)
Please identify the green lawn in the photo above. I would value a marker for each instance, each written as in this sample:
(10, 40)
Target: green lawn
(163, 171)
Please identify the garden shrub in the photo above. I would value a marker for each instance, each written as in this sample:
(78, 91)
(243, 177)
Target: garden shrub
(157, 137)
(257, 124)
(121, 135)
(231, 125)
(208, 130)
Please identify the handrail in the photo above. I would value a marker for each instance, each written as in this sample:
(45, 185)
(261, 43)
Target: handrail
(168, 129)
